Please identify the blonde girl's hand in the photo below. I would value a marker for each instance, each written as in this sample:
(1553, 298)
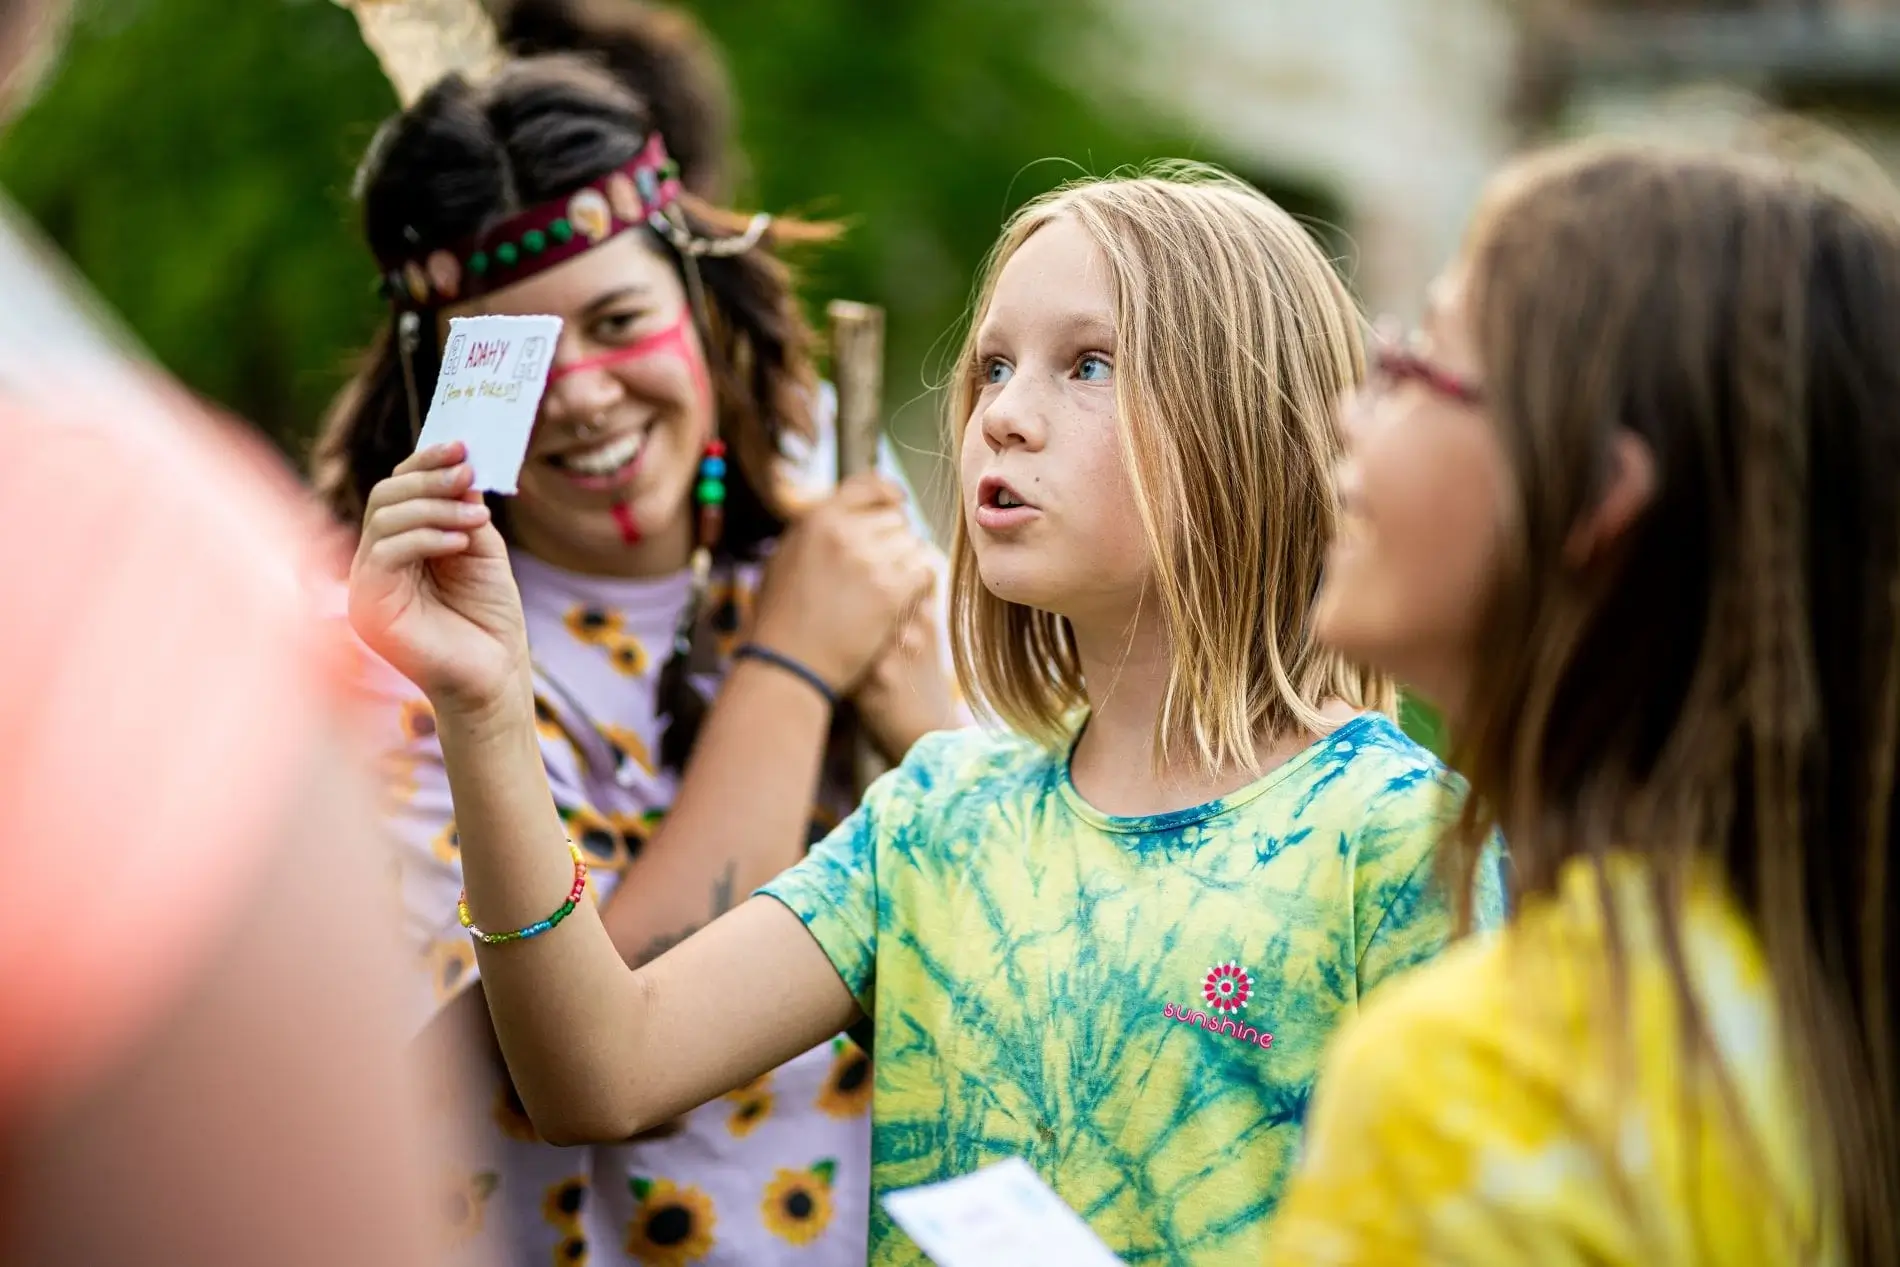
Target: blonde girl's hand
(430, 586)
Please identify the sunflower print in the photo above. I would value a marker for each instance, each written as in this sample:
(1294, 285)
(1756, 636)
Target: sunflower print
(450, 962)
(512, 1116)
(672, 1226)
(447, 846)
(596, 626)
(563, 1203)
(634, 830)
(599, 842)
(752, 1104)
(847, 1091)
(547, 724)
(626, 746)
(417, 721)
(797, 1205)
(466, 1204)
(571, 1251)
(730, 606)
(398, 771)
(627, 654)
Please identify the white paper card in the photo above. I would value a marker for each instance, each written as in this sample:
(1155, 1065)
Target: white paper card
(494, 370)
(1001, 1216)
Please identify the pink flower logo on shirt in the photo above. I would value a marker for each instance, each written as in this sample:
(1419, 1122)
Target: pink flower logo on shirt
(1227, 987)
(1226, 990)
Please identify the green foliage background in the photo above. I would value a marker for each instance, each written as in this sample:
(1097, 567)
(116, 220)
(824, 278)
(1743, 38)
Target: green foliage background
(194, 159)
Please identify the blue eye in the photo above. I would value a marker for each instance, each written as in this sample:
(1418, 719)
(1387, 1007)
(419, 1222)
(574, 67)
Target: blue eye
(1094, 369)
(996, 370)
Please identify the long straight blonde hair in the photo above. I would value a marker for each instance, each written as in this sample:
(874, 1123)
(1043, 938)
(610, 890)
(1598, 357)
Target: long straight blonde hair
(1235, 342)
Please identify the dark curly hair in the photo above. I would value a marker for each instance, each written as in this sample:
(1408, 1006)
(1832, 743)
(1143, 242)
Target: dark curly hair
(467, 156)
(663, 55)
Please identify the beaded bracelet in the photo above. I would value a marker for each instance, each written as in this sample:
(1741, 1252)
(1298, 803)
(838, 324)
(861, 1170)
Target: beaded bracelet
(540, 926)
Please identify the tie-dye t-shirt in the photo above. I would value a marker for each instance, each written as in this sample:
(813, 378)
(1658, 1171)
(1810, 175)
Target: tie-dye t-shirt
(1136, 1006)
(1486, 1109)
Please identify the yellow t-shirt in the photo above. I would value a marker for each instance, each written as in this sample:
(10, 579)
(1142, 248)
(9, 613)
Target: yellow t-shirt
(1497, 1106)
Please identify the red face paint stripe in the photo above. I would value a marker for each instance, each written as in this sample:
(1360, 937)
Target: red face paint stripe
(629, 527)
(672, 339)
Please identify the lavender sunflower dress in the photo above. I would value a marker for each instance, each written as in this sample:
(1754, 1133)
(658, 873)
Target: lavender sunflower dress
(774, 1173)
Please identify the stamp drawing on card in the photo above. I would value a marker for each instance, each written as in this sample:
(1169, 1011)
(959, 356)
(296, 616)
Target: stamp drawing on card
(533, 352)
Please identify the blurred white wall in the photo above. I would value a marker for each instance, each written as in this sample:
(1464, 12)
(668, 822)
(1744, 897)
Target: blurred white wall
(1395, 108)
(1398, 109)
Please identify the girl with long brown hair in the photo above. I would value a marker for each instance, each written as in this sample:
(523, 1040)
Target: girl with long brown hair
(1630, 511)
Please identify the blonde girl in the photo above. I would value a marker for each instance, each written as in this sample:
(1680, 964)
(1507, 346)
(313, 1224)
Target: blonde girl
(1111, 936)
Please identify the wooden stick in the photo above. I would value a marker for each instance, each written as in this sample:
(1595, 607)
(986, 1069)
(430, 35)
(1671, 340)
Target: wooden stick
(857, 371)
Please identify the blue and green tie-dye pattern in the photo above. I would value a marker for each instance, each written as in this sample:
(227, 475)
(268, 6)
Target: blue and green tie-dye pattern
(1137, 1006)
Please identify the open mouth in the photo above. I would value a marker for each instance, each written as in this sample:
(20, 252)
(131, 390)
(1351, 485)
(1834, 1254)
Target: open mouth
(602, 463)
(993, 492)
(1000, 506)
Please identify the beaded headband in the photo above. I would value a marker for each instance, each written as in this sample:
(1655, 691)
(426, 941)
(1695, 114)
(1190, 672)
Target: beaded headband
(420, 41)
(636, 193)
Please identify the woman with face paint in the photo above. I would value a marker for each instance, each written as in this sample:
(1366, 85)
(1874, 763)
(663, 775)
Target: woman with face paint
(692, 622)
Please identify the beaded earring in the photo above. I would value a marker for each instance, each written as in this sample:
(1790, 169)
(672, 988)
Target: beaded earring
(711, 493)
(682, 702)
(710, 496)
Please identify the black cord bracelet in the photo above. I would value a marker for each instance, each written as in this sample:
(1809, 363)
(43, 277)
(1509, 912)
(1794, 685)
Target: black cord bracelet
(765, 655)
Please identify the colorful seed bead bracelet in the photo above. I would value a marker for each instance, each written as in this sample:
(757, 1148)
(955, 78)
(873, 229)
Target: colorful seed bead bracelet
(540, 926)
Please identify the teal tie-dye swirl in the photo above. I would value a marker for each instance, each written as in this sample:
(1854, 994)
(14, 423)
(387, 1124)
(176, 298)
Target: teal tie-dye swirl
(1137, 1006)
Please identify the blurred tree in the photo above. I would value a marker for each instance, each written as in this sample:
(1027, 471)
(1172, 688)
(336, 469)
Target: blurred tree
(1422, 723)
(193, 157)
(922, 125)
